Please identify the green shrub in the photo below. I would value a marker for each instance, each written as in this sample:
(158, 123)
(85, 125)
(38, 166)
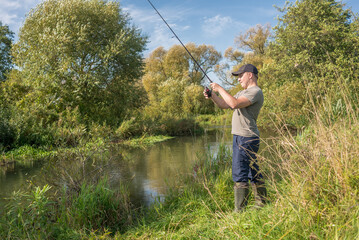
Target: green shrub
(98, 207)
(95, 208)
(129, 128)
(181, 127)
(30, 215)
(69, 130)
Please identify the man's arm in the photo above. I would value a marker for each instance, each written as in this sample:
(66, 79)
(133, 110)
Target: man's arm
(228, 100)
(219, 102)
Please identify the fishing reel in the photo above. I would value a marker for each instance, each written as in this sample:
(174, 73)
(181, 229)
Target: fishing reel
(208, 92)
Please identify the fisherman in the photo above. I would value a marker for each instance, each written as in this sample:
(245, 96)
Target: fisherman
(246, 105)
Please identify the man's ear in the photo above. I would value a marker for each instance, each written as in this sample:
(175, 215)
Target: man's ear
(250, 75)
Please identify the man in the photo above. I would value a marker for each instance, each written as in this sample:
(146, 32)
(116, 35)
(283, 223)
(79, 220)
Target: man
(246, 105)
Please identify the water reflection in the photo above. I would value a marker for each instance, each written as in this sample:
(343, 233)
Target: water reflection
(14, 177)
(162, 164)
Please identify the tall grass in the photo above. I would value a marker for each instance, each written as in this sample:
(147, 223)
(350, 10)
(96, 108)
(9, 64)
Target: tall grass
(316, 172)
(43, 215)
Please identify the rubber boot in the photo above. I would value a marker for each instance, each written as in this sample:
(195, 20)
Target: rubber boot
(241, 193)
(260, 194)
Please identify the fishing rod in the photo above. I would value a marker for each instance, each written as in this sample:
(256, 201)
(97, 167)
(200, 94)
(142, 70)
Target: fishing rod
(208, 91)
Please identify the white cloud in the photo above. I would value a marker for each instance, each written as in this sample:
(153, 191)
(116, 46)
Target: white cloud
(140, 16)
(12, 12)
(8, 19)
(217, 25)
(9, 4)
(161, 37)
(152, 25)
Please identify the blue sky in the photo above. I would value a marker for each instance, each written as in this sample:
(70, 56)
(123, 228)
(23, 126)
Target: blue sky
(212, 22)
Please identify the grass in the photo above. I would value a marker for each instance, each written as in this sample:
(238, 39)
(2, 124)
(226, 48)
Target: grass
(24, 154)
(145, 141)
(64, 215)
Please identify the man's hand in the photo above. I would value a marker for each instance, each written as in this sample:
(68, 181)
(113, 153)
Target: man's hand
(207, 93)
(216, 87)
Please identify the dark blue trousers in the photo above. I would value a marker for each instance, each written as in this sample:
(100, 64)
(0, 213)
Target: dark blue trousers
(244, 162)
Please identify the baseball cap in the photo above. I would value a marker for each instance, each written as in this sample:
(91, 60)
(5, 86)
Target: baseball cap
(246, 68)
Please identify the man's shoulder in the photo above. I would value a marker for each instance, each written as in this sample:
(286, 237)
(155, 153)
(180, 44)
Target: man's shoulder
(254, 89)
(249, 91)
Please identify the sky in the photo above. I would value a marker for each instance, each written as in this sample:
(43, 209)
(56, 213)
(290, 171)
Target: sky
(210, 22)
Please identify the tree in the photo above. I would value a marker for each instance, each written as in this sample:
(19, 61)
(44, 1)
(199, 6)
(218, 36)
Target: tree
(315, 37)
(6, 38)
(81, 53)
(250, 47)
(173, 80)
(314, 51)
(254, 40)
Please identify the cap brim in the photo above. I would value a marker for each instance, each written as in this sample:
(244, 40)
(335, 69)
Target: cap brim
(236, 73)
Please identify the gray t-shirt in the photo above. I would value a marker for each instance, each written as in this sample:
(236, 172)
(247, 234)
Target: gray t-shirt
(244, 120)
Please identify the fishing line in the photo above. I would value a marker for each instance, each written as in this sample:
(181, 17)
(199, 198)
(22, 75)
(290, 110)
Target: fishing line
(207, 90)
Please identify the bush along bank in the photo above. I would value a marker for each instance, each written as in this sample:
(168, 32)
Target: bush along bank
(68, 131)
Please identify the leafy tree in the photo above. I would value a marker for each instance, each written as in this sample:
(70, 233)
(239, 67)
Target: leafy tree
(315, 48)
(6, 38)
(250, 47)
(6, 129)
(315, 36)
(254, 40)
(81, 53)
(173, 80)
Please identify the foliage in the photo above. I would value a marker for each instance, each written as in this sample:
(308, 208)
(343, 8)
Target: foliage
(38, 215)
(6, 38)
(130, 128)
(145, 141)
(83, 54)
(142, 126)
(32, 218)
(68, 131)
(313, 52)
(320, 166)
(97, 207)
(193, 101)
(173, 81)
(41, 127)
(314, 36)
(7, 132)
(214, 120)
(78, 66)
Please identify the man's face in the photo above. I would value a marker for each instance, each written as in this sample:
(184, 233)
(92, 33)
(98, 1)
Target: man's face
(243, 79)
